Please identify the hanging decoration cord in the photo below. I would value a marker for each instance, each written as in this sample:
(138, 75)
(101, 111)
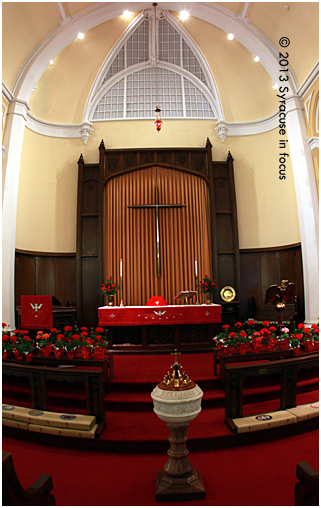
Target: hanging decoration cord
(158, 121)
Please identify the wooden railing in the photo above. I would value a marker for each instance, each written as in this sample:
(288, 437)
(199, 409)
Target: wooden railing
(38, 376)
(287, 369)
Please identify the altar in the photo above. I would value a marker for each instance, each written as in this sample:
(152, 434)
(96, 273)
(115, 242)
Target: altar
(160, 328)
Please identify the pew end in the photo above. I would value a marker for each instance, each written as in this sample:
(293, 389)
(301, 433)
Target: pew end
(13, 494)
(306, 490)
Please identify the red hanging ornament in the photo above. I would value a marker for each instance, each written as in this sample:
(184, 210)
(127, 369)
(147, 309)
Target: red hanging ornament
(158, 121)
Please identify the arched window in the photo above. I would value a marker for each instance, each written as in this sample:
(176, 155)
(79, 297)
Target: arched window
(154, 64)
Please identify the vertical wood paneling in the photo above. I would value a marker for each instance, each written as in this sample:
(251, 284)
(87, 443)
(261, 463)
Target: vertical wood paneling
(261, 268)
(44, 274)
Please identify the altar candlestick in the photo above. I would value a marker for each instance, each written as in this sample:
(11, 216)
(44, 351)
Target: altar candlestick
(121, 267)
(195, 267)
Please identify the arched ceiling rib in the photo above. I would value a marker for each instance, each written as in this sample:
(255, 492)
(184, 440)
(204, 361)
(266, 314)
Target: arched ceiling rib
(98, 13)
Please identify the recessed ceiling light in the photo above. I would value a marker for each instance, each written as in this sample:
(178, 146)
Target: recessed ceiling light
(80, 36)
(51, 62)
(275, 86)
(127, 14)
(184, 15)
(256, 58)
(230, 37)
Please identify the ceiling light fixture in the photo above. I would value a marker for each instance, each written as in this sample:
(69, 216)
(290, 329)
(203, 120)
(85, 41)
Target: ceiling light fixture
(127, 14)
(184, 15)
(80, 36)
(51, 62)
(256, 58)
(275, 86)
(231, 37)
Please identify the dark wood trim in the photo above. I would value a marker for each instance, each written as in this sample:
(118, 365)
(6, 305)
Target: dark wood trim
(159, 164)
(270, 249)
(46, 254)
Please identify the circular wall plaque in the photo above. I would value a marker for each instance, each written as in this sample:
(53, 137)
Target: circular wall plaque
(228, 294)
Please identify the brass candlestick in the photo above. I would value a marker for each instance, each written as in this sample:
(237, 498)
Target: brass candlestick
(197, 291)
(121, 292)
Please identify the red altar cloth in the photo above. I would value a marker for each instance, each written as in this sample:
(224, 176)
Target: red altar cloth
(169, 315)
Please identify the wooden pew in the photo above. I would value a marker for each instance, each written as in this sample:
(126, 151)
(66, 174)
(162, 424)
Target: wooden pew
(38, 377)
(288, 369)
(249, 357)
(306, 491)
(13, 494)
(106, 365)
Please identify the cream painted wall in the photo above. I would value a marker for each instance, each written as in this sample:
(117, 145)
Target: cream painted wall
(62, 91)
(46, 211)
(46, 218)
(278, 22)
(26, 22)
(244, 86)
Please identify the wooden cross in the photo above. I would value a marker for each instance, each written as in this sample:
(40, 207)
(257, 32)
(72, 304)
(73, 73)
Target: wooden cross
(156, 206)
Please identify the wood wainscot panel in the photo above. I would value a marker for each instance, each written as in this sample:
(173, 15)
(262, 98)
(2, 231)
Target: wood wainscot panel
(222, 188)
(270, 273)
(263, 267)
(92, 298)
(89, 234)
(66, 280)
(224, 233)
(90, 189)
(46, 279)
(26, 276)
(40, 273)
(251, 280)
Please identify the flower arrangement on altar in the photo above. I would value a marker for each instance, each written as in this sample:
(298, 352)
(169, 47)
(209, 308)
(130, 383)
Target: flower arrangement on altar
(110, 288)
(88, 344)
(208, 286)
(245, 338)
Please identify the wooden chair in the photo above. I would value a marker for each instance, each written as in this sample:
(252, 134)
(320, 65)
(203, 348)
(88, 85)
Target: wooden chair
(13, 494)
(291, 318)
(306, 491)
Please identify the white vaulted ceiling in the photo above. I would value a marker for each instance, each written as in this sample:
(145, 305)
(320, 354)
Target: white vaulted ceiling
(240, 91)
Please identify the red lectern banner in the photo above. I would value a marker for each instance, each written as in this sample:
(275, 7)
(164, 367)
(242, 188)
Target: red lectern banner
(36, 312)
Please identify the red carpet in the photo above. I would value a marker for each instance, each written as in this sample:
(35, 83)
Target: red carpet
(129, 403)
(235, 472)
(253, 475)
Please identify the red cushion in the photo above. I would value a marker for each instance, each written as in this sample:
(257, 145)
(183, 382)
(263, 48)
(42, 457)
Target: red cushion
(156, 301)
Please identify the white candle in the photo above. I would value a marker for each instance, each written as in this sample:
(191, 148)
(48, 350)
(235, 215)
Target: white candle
(195, 267)
(121, 267)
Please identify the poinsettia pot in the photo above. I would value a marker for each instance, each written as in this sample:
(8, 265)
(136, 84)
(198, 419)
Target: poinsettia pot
(59, 352)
